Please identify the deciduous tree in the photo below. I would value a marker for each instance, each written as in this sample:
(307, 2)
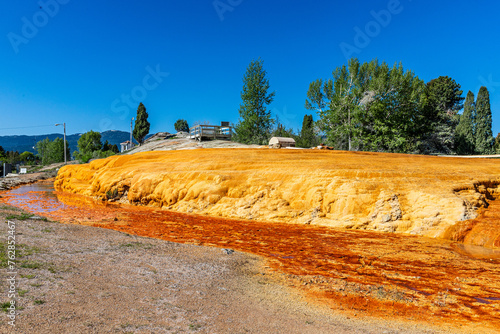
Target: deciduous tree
(444, 100)
(51, 151)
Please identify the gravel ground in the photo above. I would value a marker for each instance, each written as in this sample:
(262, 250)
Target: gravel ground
(81, 279)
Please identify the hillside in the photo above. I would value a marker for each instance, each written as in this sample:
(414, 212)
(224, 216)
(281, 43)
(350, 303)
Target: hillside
(413, 194)
(27, 143)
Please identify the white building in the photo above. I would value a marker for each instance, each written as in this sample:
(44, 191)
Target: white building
(125, 146)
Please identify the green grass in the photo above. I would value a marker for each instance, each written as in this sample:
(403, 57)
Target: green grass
(30, 276)
(112, 194)
(31, 265)
(39, 302)
(22, 216)
(22, 292)
(194, 327)
(136, 245)
(47, 230)
(21, 251)
(24, 250)
(3, 255)
(5, 306)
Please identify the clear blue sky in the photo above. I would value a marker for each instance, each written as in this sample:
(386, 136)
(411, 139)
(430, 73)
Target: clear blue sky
(79, 64)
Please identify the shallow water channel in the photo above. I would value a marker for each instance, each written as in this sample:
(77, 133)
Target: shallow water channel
(381, 274)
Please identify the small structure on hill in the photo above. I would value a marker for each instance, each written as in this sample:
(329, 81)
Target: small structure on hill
(209, 132)
(280, 142)
(126, 145)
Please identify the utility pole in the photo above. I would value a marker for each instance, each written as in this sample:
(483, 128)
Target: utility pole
(64, 125)
(131, 121)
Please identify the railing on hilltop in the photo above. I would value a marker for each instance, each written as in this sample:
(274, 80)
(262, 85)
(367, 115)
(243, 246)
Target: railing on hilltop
(208, 132)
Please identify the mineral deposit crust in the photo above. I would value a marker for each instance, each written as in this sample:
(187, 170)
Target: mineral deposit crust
(414, 194)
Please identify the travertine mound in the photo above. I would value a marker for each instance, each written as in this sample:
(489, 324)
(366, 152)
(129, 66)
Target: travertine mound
(387, 192)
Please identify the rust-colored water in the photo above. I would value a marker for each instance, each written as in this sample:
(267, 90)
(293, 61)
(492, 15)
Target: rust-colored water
(369, 273)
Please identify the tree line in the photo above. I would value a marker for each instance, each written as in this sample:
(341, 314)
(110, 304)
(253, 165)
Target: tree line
(372, 106)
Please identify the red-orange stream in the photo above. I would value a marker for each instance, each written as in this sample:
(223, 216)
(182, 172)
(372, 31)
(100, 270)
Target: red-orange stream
(365, 272)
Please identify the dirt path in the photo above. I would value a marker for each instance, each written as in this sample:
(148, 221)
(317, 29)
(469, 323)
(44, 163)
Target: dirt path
(82, 279)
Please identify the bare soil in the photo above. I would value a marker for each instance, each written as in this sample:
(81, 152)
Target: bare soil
(83, 279)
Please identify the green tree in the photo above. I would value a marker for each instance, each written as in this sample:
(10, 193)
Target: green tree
(56, 150)
(444, 100)
(27, 157)
(464, 137)
(340, 121)
(181, 125)
(307, 135)
(483, 133)
(141, 128)
(369, 106)
(108, 147)
(393, 119)
(13, 157)
(255, 124)
(51, 151)
(88, 143)
(318, 95)
(42, 148)
(496, 145)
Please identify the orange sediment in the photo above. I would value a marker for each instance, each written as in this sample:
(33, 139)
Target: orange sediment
(365, 272)
(420, 195)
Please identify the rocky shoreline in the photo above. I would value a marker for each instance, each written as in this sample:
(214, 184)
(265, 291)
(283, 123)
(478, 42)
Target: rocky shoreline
(15, 180)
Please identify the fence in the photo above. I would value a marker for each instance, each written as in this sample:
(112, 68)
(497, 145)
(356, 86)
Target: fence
(208, 132)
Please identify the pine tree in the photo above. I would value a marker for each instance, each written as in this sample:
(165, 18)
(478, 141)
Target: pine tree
(255, 122)
(141, 128)
(483, 133)
(307, 138)
(181, 125)
(465, 140)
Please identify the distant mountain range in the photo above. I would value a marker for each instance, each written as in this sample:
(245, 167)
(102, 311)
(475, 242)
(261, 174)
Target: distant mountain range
(27, 143)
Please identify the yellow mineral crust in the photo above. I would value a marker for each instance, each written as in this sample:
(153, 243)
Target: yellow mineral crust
(379, 191)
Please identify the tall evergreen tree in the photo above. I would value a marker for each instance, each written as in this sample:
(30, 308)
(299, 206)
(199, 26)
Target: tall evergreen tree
(484, 134)
(496, 145)
(307, 136)
(141, 128)
(255, 124)
(465, 139)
